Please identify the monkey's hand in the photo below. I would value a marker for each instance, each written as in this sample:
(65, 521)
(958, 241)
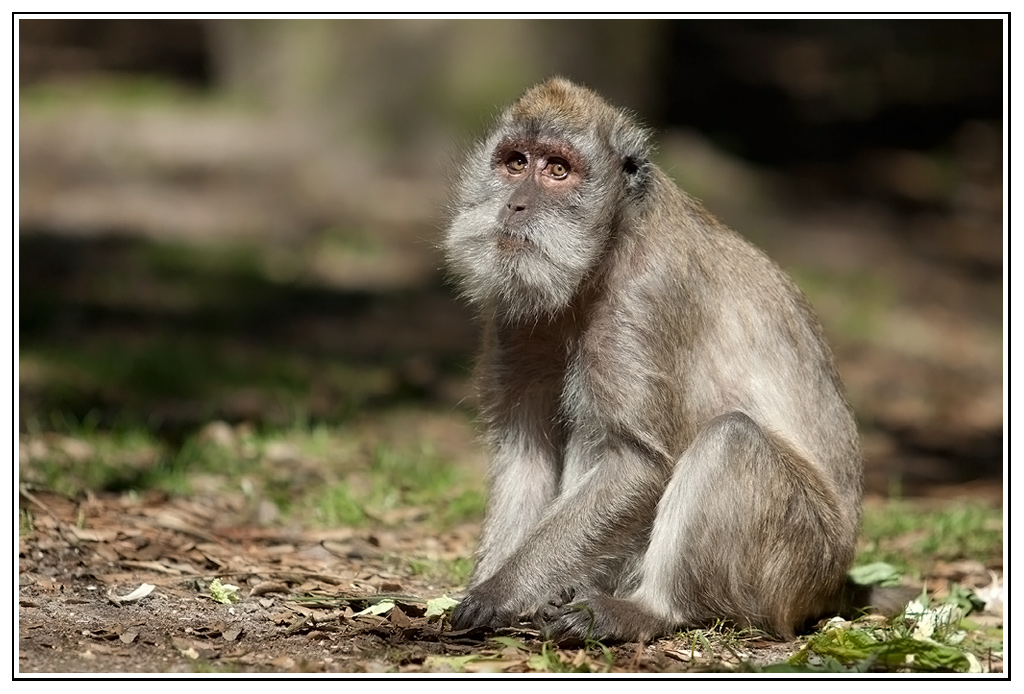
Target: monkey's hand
(605, 618)
(497, 602)
(489, 604)
(482, 607)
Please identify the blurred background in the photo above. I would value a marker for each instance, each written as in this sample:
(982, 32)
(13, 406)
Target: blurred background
(228, 231)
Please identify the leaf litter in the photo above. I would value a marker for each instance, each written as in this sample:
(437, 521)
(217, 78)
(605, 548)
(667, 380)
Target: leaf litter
(132, 591)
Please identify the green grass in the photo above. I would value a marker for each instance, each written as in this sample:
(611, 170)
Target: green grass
(25, 521)
(71, 457)
(453, 571)
(912, 539)
(180, 335)
(930, 637)
(927, 638)
(338, 506)
(318, 474)
(551, 659)
(394, 481)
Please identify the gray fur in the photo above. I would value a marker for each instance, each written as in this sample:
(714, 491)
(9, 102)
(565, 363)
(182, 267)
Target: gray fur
(670, 440)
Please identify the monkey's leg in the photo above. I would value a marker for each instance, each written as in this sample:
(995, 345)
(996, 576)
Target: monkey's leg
(747, 530)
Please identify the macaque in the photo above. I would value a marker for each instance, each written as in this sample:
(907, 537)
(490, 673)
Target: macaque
(670, 440)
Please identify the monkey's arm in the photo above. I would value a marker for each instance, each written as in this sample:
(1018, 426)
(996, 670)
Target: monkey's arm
(606, 515)
(519, 394)
(524, 481)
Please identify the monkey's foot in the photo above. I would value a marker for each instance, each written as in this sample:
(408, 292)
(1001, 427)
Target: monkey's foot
(553, 608)
(605, 618)
(484, 606)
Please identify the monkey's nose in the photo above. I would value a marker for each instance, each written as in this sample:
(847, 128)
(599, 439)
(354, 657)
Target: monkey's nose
(511, 209)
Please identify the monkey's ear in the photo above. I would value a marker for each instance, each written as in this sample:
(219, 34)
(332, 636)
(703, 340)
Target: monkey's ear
(637, 172)
(632, 143)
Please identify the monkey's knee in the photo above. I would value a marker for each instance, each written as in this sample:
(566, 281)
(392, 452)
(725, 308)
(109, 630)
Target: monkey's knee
(733, 422)
(731, 436)
(747, 530)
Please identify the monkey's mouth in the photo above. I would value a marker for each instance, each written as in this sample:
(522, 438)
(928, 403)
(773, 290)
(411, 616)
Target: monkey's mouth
(511, 241)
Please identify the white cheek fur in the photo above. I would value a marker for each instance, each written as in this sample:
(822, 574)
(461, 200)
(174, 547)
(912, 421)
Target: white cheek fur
(537, 279)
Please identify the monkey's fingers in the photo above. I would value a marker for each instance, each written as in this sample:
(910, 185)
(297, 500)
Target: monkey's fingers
(474, 612)
(466, 615)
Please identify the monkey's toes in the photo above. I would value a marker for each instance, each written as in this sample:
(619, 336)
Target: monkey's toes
(547, 614)
(606, 618)
(574, 621)
(553, 609)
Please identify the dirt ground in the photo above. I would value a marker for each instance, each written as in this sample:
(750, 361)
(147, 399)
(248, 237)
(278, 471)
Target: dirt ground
(929, 399)
(299, 598)
(71, 619)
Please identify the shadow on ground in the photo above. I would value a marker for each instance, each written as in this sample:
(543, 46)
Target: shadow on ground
(171, 336)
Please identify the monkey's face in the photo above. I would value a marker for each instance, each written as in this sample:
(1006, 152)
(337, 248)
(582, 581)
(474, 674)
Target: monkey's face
(530, 224)
(538, 200)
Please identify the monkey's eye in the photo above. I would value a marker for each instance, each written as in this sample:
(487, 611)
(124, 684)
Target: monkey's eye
(516, 162)
(559, 169)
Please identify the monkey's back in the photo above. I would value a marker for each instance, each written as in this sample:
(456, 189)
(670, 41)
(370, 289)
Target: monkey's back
(719, 296)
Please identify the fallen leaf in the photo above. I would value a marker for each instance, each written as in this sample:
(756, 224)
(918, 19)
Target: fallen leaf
(90, 535)
(438, 606)
(380, 608)
(491, 666)
(399, 618)
(510, 643)
(193, 649)
(268, 587)
(683, 656)
(137, 594)
(102, 634)
(878, 573)
(155, 566)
